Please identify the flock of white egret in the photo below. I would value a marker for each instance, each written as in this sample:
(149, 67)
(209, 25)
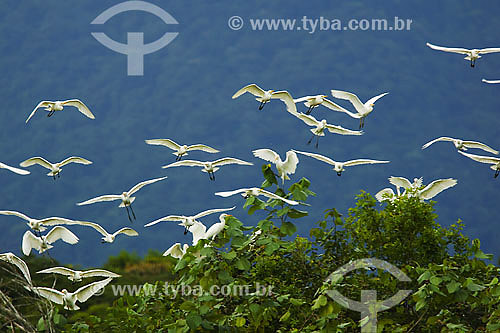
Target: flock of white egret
(191, 223)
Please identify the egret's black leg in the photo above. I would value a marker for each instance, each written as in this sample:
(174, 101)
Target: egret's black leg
(317, 141)
(472, 63)
(496, 173)
(128, 214)
(132, 210)
(58, 175)
(310, 109)
(339, 173)
(261, 106)
(50, 113)
(213, 176)
(310, 140)
(185, 231)
(54, 175)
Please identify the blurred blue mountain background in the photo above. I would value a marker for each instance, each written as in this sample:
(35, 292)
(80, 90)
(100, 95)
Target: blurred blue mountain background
(48, 53)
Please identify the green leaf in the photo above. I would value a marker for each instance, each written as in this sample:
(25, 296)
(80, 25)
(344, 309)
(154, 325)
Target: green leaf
(285, 316)
(240, 322)
(271, 247)
(243, 264)
(453, 286)
(295, 213)
(188, 306)
(229, 255)
(296, 301)
(319, 302)
(193, 320)
(435, 280)
(288, 228)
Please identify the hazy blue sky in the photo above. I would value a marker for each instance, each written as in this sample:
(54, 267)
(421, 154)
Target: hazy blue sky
(47, 52)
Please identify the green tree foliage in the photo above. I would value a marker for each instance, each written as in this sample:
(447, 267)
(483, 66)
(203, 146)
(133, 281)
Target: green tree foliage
(261, 279)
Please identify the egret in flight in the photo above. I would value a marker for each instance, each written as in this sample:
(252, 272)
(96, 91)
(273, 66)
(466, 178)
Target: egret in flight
(264, 96)
(363, 109)
(180, 150)
(209, 167)
(470, 54)
(55, 168)
(53, 106)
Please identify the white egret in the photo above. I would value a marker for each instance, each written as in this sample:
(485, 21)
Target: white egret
(286, 167)
(313, 101)
(53, 106)
(109, 238)
(15, 170)
(490, 81)
(470, 54)
(494, 161)
(363, 109)
(216, 228)
(321, 126)
(264, 96)
(187, 221)
(339, 166)
(39, 224)
(209, 167)
(68, 299)
(55, 168)
(18, 262)
(43, 243)
(77, 276)
(416, 188)
(126, 197)
(180, 150)
(199, 230)
(176, 250)
(462, 144)
(255, 191)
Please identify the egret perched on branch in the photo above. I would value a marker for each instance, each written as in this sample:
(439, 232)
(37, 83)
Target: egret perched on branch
(494, 161)
(363, 109)
(55, 168)
(462, 144)
(68, 299)
(321, 126)
(53, 106)
(339, 166)
(209, 167)
(286, 167)
(180, 150)
(264, 96)
(470, 54)
(126, 197)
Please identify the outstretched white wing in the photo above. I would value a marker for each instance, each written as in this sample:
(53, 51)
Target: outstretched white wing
(202, 147)
(358, 105)
(110, 197)
(286, 98)
(251, 88)
(15, 170)
(226, 194)
(36, 160)
(126, 231)
(275, 196)
(51, 294)
(164, 142)
(14, 213)
(489, 50)
(80, 106)
(74, 159)
(174, 218)
(475, 144)
(308, 119)
(317, 156)
(212, 211)
(482, 159)
(400, 182)
(99, 272)
(443, 138)
(190, 163)
(436, 187)
(175, 251)
(341, 130)
(490, 81)
(448, 49)
(291, 161)
(375, 98)
(144, 183)
(85, 292)
(42, 104)
(30, 241)
(61, 233)
(267, 155)
(58, 270)
(229, 160)
(18, 262)
(97, 227)
(363, 161)
(333, 106)
(385, 194)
